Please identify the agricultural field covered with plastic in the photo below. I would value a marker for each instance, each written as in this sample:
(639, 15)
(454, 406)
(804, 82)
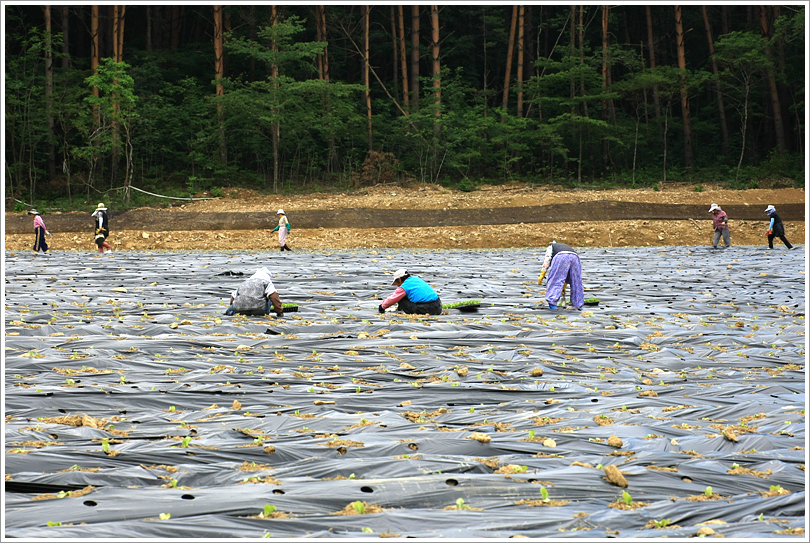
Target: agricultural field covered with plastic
(675, 407)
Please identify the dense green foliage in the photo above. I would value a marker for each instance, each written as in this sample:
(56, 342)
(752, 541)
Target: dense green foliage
(157, 123)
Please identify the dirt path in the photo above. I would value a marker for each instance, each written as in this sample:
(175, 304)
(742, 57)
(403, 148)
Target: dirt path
(174, 235)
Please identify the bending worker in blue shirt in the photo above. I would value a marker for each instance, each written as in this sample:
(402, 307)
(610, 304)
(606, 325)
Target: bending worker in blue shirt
(413, 294)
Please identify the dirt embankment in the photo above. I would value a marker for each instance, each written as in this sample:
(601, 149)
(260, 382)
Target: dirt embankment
(429, 216)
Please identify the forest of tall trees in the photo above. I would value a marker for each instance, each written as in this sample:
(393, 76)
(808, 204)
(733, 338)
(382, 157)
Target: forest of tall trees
(182, 98)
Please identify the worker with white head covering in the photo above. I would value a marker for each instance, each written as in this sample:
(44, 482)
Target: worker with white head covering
(413, 295)
(256, 296)
(102, 229)
(283, 229)
(720, 222)
(776, 229)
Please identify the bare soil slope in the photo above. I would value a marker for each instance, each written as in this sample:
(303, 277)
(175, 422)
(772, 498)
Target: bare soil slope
(581, 233)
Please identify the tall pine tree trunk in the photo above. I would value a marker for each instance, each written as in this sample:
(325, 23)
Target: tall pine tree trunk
(581, 31)
(651, 48)
(394, 50)
(403, 59)
(366, 81)
(148, 28)
(220, 73)
(509, 52)
(94, 55)
(721, 109)
(415, 57)
(275, 127)
(50, 162)
(605, 18)
(520, 48)
(775, 102)
(437, 88)
(65, 12)
(689, 157)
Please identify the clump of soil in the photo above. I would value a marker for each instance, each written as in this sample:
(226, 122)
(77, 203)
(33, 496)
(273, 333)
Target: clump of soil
(70, 494)
(342, 443)
(542, 503)
(614, 441)
(614, 476)
(625, 507)
(747, 471)
(369, 509)
(480, 437)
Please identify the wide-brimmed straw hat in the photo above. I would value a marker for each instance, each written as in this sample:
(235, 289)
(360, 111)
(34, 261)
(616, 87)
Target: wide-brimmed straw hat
(101, 207)
(33, 212)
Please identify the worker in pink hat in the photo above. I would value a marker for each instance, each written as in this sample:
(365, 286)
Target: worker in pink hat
(720, 222)
(39, 232)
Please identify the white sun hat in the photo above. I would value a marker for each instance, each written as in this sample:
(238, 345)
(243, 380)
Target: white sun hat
(399, 274)
(280, 212)
(714, 206)
(770, 209)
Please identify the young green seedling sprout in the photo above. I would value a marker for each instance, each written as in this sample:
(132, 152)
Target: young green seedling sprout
(708, 492)
(268, 510)
(628, 499)
(531, 434)
(460, 504)
(544, 493)
(360, 507)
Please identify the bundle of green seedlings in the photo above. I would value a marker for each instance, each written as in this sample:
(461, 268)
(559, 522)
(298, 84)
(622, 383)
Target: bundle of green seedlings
(464, 303)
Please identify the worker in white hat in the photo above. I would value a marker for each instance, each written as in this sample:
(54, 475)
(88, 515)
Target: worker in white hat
(776, 229)
(102, 229)
(720, 222)
(283, 229)
(413, 295)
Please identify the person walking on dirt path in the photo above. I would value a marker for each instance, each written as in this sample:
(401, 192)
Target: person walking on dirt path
(563, 266)
(256, 296)
(413, 295)
(720, 222)
(102, 230)
(776, 229)
(283, 228)
(39, 233)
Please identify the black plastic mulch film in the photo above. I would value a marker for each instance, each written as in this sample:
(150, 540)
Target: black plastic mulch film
(686, 384)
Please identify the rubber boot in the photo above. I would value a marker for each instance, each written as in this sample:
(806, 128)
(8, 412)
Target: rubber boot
(287, 248)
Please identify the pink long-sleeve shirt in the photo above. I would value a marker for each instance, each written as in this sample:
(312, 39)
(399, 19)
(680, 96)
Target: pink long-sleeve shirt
(398, 294)
(39, 223)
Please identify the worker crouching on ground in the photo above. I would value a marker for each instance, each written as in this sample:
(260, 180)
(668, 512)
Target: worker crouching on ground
(720, 222)
(413, 295)
(256, 296)
(563, 266)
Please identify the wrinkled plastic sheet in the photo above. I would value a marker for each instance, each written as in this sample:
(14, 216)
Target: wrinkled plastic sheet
(210, 418)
